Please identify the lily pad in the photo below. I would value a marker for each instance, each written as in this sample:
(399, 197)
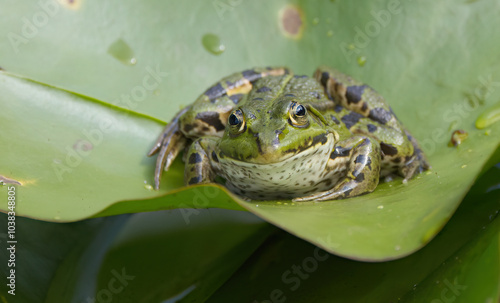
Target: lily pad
(88, 155)
(436, 63)
(186, 261)
(39, 253)
(465, 252)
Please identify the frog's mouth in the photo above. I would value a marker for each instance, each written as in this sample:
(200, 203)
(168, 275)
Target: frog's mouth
(311, 147)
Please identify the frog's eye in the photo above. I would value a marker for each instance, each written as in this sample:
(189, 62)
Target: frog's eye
(298, 115)
(236, 121)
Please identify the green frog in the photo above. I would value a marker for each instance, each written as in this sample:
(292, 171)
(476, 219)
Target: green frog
(275, 135)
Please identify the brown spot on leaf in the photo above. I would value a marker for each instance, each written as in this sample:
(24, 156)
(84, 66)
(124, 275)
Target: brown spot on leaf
(71, 4)
(292, 22)
(83, 145)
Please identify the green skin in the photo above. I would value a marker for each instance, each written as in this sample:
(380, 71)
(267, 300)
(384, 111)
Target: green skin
(274, 135)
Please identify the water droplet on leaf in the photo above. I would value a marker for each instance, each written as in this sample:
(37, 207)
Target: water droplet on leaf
(122, 52)
(213, 44)
(361, 60)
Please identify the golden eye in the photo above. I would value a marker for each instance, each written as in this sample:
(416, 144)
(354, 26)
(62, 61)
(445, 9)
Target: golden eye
(298, 115)
(236, 121)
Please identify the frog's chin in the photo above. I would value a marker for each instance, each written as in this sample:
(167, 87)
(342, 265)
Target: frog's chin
(310, 148)
(290, 177)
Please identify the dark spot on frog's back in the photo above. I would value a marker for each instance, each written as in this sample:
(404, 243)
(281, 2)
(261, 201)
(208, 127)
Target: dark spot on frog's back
(364, 107)
(371, 128)
(380, 115)
(215, 91)
(194, 158)
(236, 98)
(338, 108)
(212, 119)
(324, 78)
(351, 119)
(388, 149)
(263, 89)
(251, 75)
(334, 119)
(354, 93)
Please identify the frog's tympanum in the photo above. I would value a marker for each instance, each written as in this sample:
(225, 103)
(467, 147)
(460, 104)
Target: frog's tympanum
(271, 135)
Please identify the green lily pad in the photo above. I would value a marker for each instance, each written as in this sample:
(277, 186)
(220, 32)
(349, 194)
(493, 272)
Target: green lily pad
(158, 254)
(436, 63)
(185, 261)
(75, 156)
(39, 254)
(465, 252)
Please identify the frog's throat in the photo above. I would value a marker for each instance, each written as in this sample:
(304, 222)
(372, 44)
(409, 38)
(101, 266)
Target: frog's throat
(324, 142)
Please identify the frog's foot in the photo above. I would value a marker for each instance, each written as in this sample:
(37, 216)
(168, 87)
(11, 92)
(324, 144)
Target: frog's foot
(168, 145)
(363, 173)
(418, 162)
(348, 188)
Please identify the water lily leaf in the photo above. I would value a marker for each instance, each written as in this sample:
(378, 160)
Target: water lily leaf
(436, 63)
(471, 275)
(39, 254)
(75, 265)
(186, 260)
(74, 156)
(465, 252)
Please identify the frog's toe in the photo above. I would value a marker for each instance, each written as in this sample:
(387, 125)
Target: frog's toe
(414, 167)
(169, 150)
(321, 196)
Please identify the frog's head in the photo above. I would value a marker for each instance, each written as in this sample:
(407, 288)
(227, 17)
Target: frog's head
(263, 133)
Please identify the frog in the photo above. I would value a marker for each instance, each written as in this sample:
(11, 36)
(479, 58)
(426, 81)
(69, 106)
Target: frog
(270, 134)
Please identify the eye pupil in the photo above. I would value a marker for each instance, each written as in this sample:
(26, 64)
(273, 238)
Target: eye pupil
(300, 111)
(233, 120)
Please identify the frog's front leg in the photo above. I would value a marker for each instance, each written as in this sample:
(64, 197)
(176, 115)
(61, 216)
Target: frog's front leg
(207, 116)
(202, 163)
(361, 155)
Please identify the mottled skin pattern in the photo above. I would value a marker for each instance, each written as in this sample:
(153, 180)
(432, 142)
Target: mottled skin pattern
(274, 135)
